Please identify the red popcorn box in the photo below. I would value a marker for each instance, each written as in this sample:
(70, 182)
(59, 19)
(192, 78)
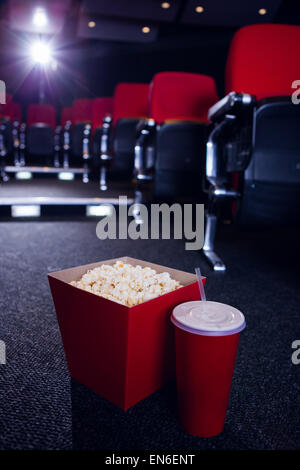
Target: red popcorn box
(122, 353)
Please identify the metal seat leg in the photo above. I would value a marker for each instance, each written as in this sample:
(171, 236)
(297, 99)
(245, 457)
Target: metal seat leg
(103, 181)
(209, 240)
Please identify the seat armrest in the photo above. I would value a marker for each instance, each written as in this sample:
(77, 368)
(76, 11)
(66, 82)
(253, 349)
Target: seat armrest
(144, 150)
(15, 134)
(105, 138)
(86, 141)
(233, 103)
(66, 136)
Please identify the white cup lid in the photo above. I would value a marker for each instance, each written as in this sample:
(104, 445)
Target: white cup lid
(208, 318)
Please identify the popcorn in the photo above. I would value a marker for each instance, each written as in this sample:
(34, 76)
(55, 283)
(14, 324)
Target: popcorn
(126, 284)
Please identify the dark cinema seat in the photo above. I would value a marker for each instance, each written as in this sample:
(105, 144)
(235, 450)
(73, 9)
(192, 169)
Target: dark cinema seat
(41, 124)
(102, 109)
(253, 152)
(179, 104)
(81, 119)
(6, 143)
(18, 137)
(66, 115)
(130, 107)
(81, 134)
(65, 134)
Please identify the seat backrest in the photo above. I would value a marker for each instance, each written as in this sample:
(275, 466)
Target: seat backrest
(263, 60)
(41, 114)
(82, 110)
(17, 112)
(181, 96)
(7, 109)
(131, 100)
(66, 115)
(101, 108)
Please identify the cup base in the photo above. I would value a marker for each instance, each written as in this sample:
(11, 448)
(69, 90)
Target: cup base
(201, 433)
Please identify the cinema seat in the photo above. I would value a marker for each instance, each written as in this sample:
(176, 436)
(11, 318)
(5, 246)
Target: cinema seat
(66, 115)
(6, 144)
(17, 127)
(41, 123)
(81, 134)
(65, 134)
(102, 108)
(179, 103)
(253, 151)
(17, 112)
(81, 121)
(130, 107)
(10, 127)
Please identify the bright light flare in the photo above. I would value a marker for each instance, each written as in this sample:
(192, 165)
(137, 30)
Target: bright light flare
(41, 52)
(40, 18)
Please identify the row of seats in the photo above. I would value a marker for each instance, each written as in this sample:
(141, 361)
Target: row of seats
(39, 140)
(253, 150)
(176, 133)
(170, 115)
(103, 132)
(40, 126)
(243, 149)
(10, 119)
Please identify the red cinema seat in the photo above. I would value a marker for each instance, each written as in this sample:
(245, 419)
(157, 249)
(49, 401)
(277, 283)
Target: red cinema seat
(181, 96)
(66, 115)
(17, 112)
(82, 110)
(131, 100)
(41, 123)
(131, 105)
(179, 104)
(261, 61)
(6, 141)
(6, 120)
(101, 108)
(41, 114)
(253, 150)
(7, 109)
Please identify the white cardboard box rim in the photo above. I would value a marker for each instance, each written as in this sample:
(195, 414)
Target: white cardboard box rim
(75, 273)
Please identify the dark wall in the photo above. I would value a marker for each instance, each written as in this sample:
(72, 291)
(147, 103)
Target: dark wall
(90, 68)
(93, 68)
(201, 52)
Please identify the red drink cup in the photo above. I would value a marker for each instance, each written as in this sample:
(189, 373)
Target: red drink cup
(206, 335)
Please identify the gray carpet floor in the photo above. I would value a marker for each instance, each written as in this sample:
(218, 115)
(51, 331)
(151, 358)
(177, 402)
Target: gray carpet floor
(41, 408)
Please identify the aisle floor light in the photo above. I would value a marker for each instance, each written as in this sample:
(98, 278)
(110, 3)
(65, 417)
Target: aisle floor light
(26, 211)
(23, 175)
(98, 210)
(65, 176)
